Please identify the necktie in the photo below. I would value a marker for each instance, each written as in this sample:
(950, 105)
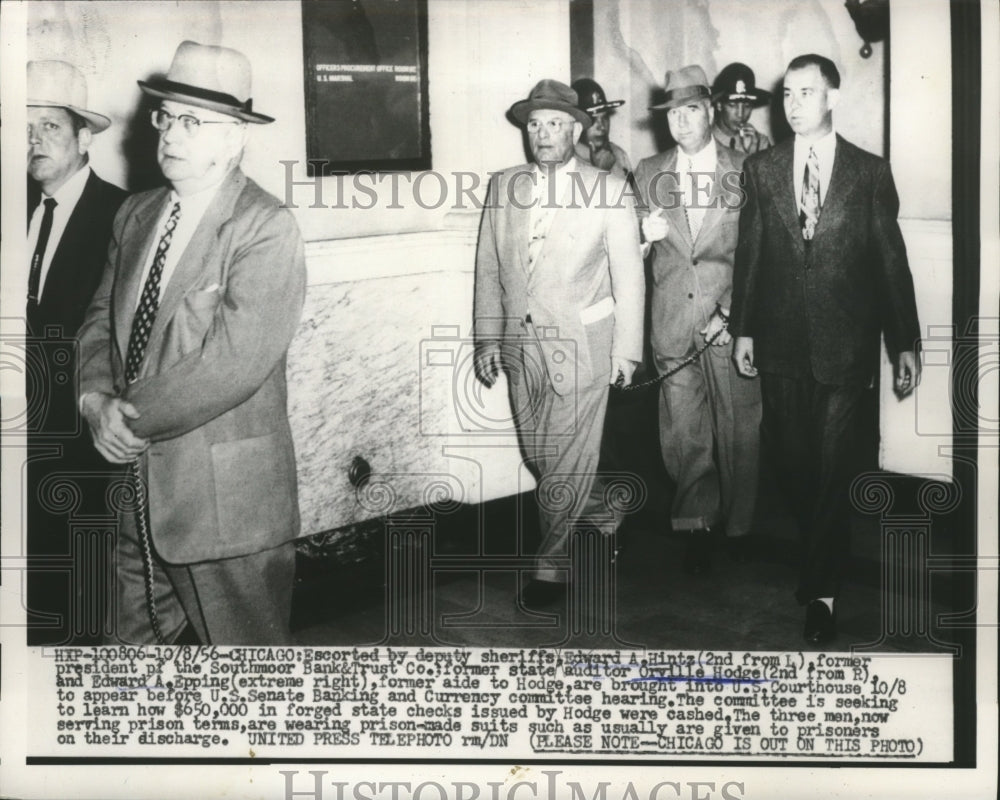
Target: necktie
(149, 302)
(810, 196)
(692, 213)
(541, 217)
(35, 274)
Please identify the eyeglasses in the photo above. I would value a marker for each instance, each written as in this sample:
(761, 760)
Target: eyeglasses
(553, 126)
(162, 120)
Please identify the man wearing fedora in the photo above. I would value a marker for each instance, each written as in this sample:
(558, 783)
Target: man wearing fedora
(821, 275)
(183, 373)
(559, 307)
(595, 145)
(69, 225)
(709, 415)
(736, 95)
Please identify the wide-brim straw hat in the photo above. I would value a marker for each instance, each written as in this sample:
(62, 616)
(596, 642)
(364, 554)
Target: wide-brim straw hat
(57, 84)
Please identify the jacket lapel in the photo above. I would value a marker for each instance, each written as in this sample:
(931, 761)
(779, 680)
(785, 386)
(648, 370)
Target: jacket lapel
(781, 178)
(716, 209)
(518, 213)
(190, 266)
(842, 179)
(669, 189)
(137, 239)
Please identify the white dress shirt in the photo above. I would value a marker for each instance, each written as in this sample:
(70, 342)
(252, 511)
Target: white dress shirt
(824, 149)
(695, 173)
(66, 197)
(193, 207)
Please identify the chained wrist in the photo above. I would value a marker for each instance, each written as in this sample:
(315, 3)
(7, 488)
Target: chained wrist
(721, 314)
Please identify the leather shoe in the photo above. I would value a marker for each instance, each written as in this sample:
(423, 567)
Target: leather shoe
(821, 623)
(542, 594)
(698, 552)
(740, 548)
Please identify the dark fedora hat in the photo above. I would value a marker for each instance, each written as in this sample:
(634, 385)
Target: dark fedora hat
(682, 86)
(591, 97)
(550, 94)
(207, 76)
(736, 81)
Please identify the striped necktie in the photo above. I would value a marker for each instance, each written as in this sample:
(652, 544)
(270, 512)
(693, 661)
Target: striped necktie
(149, 302)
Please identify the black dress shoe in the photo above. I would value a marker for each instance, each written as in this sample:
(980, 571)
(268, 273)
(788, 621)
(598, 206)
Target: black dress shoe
(821, 623)
(740, 548)
(542, 594)
(698, 552)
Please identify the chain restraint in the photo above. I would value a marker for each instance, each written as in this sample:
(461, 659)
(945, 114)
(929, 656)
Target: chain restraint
(685, 363)
(142, 524)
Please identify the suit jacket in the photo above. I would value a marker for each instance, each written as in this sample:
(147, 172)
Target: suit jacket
(690, 277)
(585, 292)
(818, 308)
(211, 392)
(74, 273)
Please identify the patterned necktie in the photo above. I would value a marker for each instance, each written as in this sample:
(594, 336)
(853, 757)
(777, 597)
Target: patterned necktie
(541, 217)
(692, 213)
(35, 274)
(149, 302)
(810, 197)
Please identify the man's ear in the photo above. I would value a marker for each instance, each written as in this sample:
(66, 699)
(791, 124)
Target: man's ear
(577, 131)
(832, 98)
(84, 138)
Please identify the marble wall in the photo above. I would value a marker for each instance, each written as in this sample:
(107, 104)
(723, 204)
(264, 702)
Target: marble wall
(381, 369)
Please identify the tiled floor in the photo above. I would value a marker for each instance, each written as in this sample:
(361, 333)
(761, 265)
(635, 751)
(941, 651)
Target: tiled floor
(457, 602)
(441, 593)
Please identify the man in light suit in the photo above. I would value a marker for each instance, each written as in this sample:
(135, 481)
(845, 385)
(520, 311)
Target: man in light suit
(558, 306)
(183, 373)
(70, 214)
(821, 271)
(709, 414)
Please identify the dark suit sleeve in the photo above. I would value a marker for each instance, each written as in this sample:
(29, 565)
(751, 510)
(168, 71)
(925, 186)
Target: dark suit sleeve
(248, 338)
(747, 261)
(95, 333)
(899, 308)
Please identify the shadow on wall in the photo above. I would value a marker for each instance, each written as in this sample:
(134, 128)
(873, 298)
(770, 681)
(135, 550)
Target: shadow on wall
(139, 140)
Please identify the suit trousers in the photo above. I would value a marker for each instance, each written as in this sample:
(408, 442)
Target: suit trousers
(560, 436)
(246, 600)
(810, 429)
(710, 440)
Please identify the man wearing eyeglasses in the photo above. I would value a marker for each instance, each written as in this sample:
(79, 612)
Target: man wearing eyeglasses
(559, 307)
(183, 374)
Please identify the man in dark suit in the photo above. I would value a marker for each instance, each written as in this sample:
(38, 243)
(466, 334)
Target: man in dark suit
(821, 270)
(558, 305)
(182, 362)
(69, 225)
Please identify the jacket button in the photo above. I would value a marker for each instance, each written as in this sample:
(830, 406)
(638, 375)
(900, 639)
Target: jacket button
(690, 296)
(694, 262)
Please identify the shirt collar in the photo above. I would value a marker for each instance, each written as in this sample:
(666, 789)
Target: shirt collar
(823, 147)
(193, 205)
(68, 195)
(703, 161)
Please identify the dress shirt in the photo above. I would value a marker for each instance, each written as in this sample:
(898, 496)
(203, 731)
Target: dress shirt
(66, 197)
(193, 207)
(695, 173)
(825, 149)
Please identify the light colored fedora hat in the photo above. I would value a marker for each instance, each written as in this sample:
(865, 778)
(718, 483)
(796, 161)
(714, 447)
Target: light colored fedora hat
(208, 76)
(56, 84)
(685, 85)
